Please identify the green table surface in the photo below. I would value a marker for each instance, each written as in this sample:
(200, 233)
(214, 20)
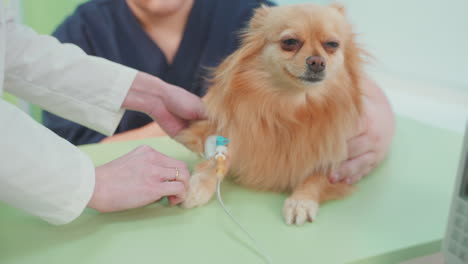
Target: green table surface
(398, 212)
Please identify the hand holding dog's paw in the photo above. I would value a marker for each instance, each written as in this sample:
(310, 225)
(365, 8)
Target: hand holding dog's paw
(200, 191)
(298, 211)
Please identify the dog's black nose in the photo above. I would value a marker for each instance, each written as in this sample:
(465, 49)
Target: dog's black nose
(316, 63)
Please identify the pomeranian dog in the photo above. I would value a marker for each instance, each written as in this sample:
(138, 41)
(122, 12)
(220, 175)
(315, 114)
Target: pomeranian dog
(287, 99)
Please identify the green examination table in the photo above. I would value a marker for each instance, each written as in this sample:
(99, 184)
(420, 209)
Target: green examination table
(397, 213)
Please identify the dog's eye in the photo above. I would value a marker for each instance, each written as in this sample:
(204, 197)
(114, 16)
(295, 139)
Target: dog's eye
(290, 44)
(332, 44)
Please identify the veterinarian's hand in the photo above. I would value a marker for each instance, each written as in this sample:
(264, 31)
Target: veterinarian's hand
(367, 148)
(138, 178)
(170, 106)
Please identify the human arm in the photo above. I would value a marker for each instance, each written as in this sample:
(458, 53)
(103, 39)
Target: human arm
(46, 176)
(73, 31)
(32, 64)
(156, 88)
(169, 105)
(31, 61)
(92, 34)
(42, 173)
(368, 147)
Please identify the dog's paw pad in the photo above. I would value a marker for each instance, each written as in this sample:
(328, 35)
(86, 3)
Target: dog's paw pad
(199, 193)
(299, 211)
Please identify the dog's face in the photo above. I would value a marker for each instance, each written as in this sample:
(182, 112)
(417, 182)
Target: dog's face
(303, 45)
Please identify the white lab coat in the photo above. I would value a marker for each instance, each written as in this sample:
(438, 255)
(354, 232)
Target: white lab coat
(40, 172)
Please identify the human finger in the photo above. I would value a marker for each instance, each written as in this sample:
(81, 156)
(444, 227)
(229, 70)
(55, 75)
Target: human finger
(358, 176)
(184, 104)
(176, 199)
(351, 169)
(174, 174)
(359, 145)
(361, 128)
(169, 122)
(170, 188)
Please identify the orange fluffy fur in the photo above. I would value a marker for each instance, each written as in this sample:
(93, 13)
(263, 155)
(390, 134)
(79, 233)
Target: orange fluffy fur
(286, 134)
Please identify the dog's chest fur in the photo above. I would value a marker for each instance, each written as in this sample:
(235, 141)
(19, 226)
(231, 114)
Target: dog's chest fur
(278, 150)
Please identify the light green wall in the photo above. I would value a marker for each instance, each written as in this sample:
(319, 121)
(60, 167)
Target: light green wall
(45, 15)
(10, 98)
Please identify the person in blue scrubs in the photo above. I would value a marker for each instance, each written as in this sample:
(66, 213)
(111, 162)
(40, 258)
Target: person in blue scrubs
(122, 31)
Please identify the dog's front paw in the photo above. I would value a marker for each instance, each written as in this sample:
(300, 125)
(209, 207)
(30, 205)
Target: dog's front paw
(200, 191)
(298, 211)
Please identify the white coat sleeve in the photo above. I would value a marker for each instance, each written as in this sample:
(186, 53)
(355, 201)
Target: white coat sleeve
(40, 172)
(62, 79)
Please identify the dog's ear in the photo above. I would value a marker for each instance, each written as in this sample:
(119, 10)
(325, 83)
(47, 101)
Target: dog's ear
(252, 41)
(339, 7)
(259, 16)
(252, 37)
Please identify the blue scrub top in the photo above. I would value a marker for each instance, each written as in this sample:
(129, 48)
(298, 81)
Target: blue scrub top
(108, 29)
